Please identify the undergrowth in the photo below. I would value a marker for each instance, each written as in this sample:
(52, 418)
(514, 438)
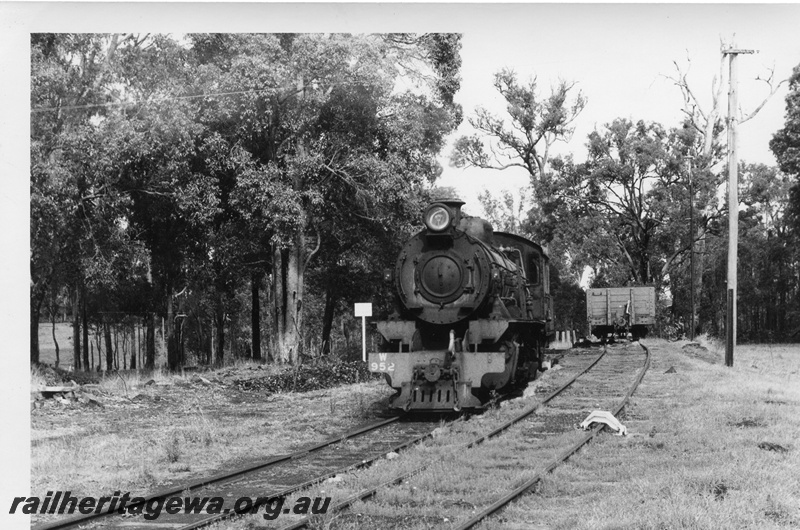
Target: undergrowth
(307, 377)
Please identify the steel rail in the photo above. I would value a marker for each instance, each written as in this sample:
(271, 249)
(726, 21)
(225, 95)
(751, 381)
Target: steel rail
(367, 493)
(506, 499)
(316, 480)
(81, 519)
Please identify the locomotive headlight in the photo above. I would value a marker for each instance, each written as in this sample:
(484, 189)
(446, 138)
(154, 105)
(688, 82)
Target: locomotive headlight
(437, 218)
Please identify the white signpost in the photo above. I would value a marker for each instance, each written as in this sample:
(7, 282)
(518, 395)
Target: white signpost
(363, 310)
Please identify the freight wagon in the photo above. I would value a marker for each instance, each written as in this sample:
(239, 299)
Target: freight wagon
(620, 311)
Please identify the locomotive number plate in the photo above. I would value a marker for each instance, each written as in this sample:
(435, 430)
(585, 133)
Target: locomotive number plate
(380, 362)
(381, 366)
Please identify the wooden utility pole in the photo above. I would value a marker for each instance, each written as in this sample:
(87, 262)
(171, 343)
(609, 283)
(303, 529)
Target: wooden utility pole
(692, 324)
(733, 198)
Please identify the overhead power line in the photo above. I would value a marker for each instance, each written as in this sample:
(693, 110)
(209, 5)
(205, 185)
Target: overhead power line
(327, 87)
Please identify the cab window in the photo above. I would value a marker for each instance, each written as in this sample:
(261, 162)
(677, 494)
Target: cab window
(533, 270)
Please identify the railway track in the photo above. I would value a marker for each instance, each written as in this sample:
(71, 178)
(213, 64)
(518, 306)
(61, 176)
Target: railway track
(277, 476)
(283, 475)
(618, 368)
(594, 379)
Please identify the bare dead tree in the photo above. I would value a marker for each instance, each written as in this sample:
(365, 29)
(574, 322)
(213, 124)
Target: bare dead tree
(707, 121)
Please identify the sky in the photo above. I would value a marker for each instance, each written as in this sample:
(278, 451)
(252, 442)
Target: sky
(617, 54)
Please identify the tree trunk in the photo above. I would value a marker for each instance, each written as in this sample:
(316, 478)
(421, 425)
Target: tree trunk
(200, 340)
(346, 335)
(181, 351)
(290, 342)
(98, 332)
(173, 355)
(134, 329)
(109, 348)
(233, 335)
(76, 331)
(255, 315)
(279, 298)
(115, 330)
(213, 341)
(327, 320)
(36, 307)
(209, 342)
(125, 348)
(150, 341)
(89, 366)
(55, 340)
(289, 269)
(141, 339)
(205, 345)
(219, 316)
(268, 341)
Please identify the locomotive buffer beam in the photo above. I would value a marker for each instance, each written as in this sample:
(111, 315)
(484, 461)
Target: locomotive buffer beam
(436, 380)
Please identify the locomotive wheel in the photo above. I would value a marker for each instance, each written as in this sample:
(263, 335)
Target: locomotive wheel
(536, 360)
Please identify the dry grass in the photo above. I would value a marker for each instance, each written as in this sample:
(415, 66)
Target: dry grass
(127, 383)
(38, 380)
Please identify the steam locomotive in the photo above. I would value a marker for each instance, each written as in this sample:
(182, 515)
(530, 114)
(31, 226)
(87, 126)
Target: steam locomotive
(472, 313)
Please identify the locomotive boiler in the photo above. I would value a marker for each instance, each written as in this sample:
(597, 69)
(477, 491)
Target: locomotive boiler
(472, 313)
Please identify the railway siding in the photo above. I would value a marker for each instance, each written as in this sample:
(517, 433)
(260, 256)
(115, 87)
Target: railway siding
(685, 463)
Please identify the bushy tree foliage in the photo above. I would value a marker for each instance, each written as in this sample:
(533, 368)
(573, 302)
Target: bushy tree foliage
(524, 137)
(327, 148)
(768, 262)
(77, 216)
(786, 145)
(196, 168)
(616, 200)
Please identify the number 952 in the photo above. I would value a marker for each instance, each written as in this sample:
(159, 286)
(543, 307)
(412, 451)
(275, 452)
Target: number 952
(381, 367)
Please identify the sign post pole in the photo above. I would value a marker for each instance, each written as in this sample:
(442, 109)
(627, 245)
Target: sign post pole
(363, 338)
(363, 311)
